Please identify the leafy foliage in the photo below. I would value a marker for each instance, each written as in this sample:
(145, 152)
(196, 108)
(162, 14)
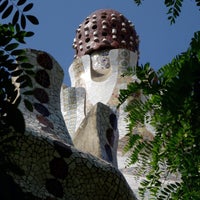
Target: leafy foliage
(12, 34)
(172, 99)
(18, 11)
(13, 64)
(174, 8)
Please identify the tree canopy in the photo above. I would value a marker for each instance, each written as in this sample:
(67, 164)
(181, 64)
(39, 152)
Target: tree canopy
(14, 15)
(172, 99)
(13, 64)
(174, 8)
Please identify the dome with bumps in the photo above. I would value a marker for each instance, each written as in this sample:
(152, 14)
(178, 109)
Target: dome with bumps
(105, 29)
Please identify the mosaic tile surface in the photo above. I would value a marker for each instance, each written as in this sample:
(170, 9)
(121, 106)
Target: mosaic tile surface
(50, 166)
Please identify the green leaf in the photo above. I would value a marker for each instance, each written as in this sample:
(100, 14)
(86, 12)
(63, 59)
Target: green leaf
(29, 92)
(28, 7)
(138, 2)
(17, 72)
(4, 58)
(24, 81)
(21, 2)
(17, 28)
(23, 21)
(11, 46)
(162, 197)
(27, 65)
(32, 19)
(7, 12)
(164, 193)
(3, 5)
(17, 101)
(22, 58)
(28, 105)
(17, 52)
(24, 84)
(29, 72)
(21, 79)
(16, 119)
(5, 41)
(15, 17)
(176, 13)
(167, 190)
(12, 66)
(29, 34)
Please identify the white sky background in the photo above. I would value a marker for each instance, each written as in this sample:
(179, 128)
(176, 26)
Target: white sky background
(159, 41)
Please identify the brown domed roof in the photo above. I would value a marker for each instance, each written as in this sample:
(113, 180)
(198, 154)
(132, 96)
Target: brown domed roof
(105, 29)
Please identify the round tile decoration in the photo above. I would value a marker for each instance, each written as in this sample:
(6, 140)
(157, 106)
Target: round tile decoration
(41, 95)
(124, 54)
(124, 63)
(41, 109)
(54, 187)
(110, 136)
(44, 61)
(43, 120)
(63, 149)
(59, 168)
(42, 78)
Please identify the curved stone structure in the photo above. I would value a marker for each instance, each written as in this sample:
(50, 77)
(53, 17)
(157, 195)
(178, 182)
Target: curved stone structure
(100, 74)
(46, 119)
(47, 165)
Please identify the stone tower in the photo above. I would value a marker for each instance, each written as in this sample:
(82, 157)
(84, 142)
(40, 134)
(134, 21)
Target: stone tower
(106, 45)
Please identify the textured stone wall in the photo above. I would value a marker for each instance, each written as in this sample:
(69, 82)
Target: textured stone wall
(47, 165)
(73, 107)
(46, 119)
(102, 81)
(98, 134)
(100, 74)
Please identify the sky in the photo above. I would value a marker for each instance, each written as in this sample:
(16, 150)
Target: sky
(159, 41)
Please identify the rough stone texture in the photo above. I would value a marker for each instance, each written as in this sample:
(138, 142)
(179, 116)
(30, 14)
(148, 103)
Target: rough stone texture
(73, 107)
(48, 173)
(102, 86)
(100, 75)
(46, 119)
(47, 166)
(98, 134)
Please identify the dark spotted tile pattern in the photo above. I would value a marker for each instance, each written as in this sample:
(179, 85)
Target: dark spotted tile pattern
(59, 168)
(41, 95)
(43, 120)
(42, 77)
(53, 168)
(41, 109)
(44, 60)
(63, 149)
(54, 187)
